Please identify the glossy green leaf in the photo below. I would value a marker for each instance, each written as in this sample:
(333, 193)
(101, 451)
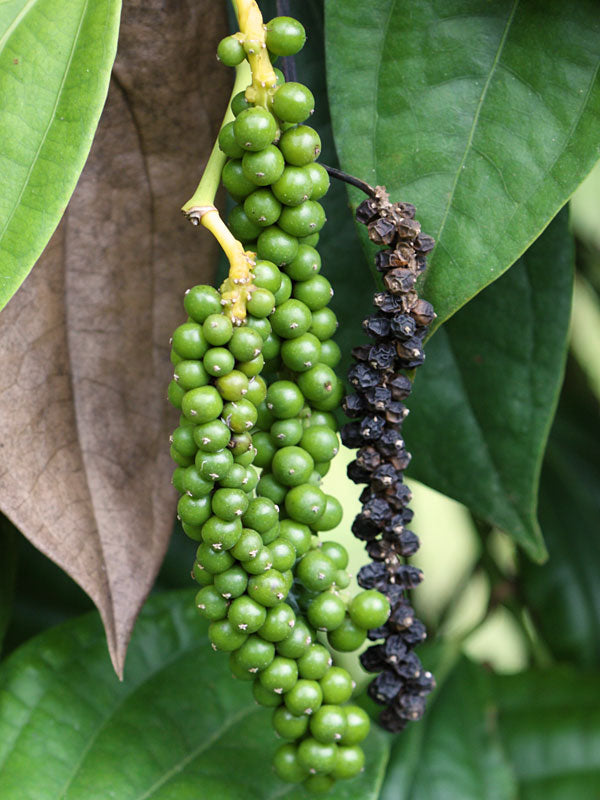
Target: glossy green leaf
(483, 402)
(531, 736)
(549, 723)
(484, 115)
(55, 63)
(179, 726)
(454, 752)
(563, 595)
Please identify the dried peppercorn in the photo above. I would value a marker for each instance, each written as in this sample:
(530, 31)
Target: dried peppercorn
(399, 327)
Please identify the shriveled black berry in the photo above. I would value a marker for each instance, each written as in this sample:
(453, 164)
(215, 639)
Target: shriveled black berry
(390, 721)
(351, 435)
(368, 458)
(398, 495)
(383, 477)
(422, 685)
(380, 549)
(424, 243)
(400, 280)
(395, 413)
(385, 687)
(382, 231)
(370, 575)
(367, 211)
(390, 442)
(358, 474)
(378, 633)
(364, 528)
(405, 544)
(383, 260)
(415, 633)
(409, 668)
(409, 706)
(400, 386)
(402, 617)
(402, 326)
(387, 302)
(353, 406)
(378, 510)
(382, 356)
(407, 576)
(406, 210)
(378, 398)
(372, 427)
(395, 648)
(410, 352)
(399, 520)
(423, 313)
(408, 228)
(361, 352)
(373, 658)
(393, 591)
(378, 326)
(362, 376)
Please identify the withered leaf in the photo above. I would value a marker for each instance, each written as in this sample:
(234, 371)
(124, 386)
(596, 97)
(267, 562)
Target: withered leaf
(84, 359)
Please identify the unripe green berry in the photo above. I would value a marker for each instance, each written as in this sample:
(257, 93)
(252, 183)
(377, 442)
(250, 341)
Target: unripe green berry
(369, 609)
(210, 604)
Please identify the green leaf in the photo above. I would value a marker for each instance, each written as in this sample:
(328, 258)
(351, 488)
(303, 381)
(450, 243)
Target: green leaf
(550, 725)
(532, 736)
(55, 63)
(8, 571)
(484, 115)
(564, 594)
(454, 752)
(483, 402)
(179, 726)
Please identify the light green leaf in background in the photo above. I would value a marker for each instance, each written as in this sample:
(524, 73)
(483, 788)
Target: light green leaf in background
(484, 115)
(55, 63)
(179, 726)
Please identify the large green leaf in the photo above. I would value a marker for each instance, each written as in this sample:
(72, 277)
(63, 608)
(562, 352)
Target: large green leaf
(531, 736)
(483, 402)
(550, 725)
(179, 726)
(55, 63)
(484, 115)
(454, 752)
(564, 594)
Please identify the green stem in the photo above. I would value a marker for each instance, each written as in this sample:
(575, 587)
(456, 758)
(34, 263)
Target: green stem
(211, 177)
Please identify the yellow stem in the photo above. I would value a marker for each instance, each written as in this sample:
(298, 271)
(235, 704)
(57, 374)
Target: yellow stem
(236, 289)
(251, 25)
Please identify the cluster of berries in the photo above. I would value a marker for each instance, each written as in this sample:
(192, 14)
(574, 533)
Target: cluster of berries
(377, 409)
(256, 435)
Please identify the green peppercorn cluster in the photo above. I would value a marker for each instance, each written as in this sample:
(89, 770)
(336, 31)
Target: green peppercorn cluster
(257, 434)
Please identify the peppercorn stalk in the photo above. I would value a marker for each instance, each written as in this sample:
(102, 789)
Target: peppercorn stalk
(257, 77)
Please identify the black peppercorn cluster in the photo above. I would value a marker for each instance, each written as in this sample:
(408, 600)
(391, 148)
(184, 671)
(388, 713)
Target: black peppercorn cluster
(397, 330)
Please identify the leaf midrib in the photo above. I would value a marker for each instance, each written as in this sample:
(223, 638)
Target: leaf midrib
(471, 136)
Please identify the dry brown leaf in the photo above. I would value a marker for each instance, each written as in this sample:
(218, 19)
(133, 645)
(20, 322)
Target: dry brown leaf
(84, 361)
